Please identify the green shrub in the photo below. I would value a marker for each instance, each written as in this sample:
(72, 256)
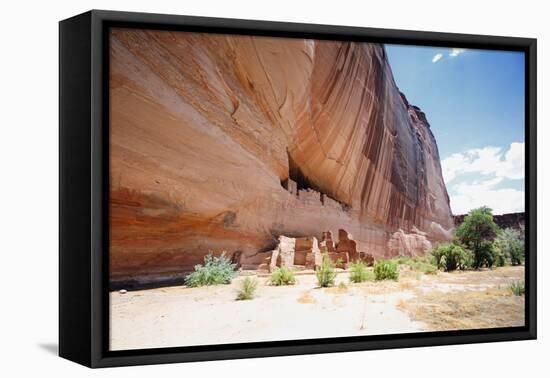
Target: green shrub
(425, 264)
(485, 255)
(247, 290)
(358, 272)
(326, 272)
(477, 233)
(510, 244)
(452, 256)
(282, 276)
(403, 259)
(339, 263)
(426, 268)
(517, 256)
(518, 288)
(386, 270)
(215, 271)
(500, 257)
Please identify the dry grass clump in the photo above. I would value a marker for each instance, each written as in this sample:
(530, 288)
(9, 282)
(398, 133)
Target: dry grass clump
(341, 288)
(490, 308)
(496, 276)
(380, 287)
(306, 298)
(517, 288)
(405, 285)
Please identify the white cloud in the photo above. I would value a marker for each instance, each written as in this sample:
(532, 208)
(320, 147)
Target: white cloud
(456, 52)
(437, 58)
(487, 161)
(492, 166)
(452, 54)
(514, 167)
(468, 196)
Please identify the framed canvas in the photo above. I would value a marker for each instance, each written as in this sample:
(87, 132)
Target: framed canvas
(235, 188)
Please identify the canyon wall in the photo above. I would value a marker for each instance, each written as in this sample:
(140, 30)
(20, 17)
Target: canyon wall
(222, 142)
(510, 220)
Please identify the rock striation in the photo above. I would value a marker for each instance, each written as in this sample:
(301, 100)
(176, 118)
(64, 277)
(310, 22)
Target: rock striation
(221, 142)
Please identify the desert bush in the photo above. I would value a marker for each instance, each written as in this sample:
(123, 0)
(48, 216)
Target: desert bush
(358, 272)
(425, 267)
(403, 259)
(500, 257)
(247, 290)
(425, 264)
(518, 288)
(386, 270)
(485, 256)
(326, 272)
(282, 276)
(509, 244)
(476, 233)
(452, 256)
(215, 271)
(517, 256)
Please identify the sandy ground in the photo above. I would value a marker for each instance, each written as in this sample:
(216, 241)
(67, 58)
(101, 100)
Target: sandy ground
(181, 316)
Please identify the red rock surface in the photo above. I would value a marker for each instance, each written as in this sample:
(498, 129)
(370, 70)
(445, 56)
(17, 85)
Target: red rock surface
(227, 142)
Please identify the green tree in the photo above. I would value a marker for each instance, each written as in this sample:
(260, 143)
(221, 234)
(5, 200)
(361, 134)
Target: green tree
(511, 244)
(477, 233)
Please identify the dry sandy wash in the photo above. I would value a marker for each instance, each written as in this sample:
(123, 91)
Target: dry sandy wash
(181, 316)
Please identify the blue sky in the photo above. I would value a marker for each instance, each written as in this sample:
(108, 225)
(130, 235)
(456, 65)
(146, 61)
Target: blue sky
(474, 101)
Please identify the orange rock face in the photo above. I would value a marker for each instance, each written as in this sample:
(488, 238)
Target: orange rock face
(223, 142)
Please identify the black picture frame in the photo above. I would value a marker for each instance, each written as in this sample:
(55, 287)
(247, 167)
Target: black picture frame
(84, 184)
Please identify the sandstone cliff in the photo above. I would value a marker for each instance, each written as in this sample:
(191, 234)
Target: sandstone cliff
(227, 142)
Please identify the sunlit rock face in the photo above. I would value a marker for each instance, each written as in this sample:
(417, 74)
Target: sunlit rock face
(225, 142)
(413, 244)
